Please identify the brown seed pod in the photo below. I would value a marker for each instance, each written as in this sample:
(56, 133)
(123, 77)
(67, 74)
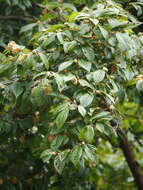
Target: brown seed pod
(37, 118)
(75, 60)
(74, 81)
(15, 50)
(51, 138)
(114, 68)
(98, 92)
(91, 164)
(47, 89)
(94, 36)
(14, 180)
(45, 11)
(112, 107)
(22, 139)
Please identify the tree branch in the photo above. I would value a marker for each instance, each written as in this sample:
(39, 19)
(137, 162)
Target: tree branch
(14, 17)
(134, 166)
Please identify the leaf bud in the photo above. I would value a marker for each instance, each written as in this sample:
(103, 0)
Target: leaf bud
(34, 129)
(112, 107)
(105, 69)
(74, 81)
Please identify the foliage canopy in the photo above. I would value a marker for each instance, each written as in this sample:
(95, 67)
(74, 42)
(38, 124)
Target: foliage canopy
(68, 86)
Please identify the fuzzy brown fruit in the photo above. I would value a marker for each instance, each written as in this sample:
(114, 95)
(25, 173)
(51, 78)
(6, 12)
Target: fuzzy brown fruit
(15, 50)
(51, 138)
(47, 89)
(22, 139)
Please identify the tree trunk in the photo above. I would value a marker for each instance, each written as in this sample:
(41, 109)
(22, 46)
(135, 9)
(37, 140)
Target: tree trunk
(127, 149)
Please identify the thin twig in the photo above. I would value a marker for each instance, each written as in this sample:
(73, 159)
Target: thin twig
(39, 5)
(14, 17)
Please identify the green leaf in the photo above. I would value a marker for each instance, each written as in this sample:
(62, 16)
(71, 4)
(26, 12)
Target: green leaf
(62, 117)
(60, 38)
(89, 53)
(121, 95)
(58, 141)
(89, 153)
(61, 79)
(86, 99)
(87, 134)
(123, 43)
(96, 76)
(84, 29)
(58, 164)
(102, 128)
(37, 96)
(44, 60)
(101, 115)
(76, 154)
(65, 65)
(84, 64)
(82, 16)
(59, 108)
(5, 69)
(27, 27)
(94, 21)
(82, 110)
(69, 46)
(45, 155)
(50, 40)
(72, 16)
(40, 75)
(103, 32)
(17, 89)
(84, 83)
(69, 6)
(139, 85)
(116, 23)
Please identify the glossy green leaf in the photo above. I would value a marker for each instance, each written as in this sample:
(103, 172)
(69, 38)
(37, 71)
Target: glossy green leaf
(69, 46)
(84, 64)
(87, 134)
(86, 100)
(65, 65)
(96, 76)
(62, 117)
(27, 27)
(89, 53)
(82, 110)
(76, 154)
(17, 89)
